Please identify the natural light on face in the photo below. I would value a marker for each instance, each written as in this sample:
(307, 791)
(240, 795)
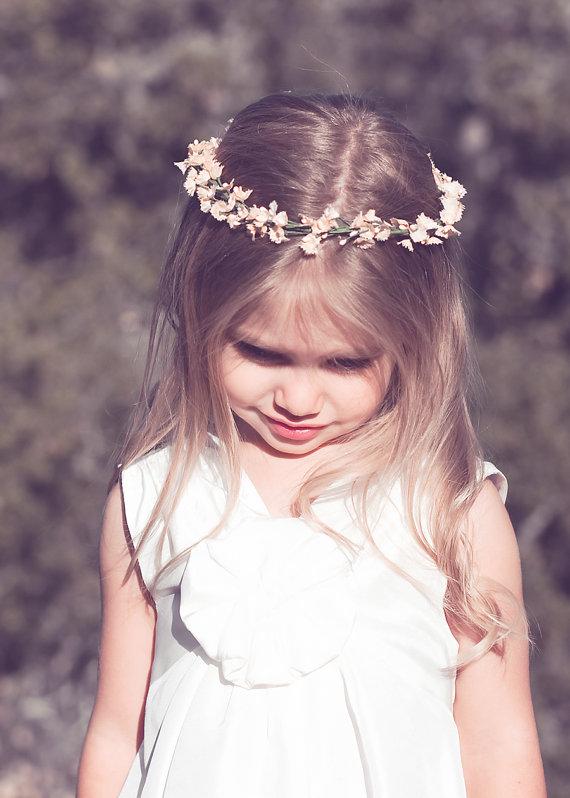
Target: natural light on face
(299, 390)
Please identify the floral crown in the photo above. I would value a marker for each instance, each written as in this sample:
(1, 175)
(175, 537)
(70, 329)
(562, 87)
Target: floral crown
(227, 202)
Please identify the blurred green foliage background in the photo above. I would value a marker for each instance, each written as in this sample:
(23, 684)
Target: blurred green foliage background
(98, 99)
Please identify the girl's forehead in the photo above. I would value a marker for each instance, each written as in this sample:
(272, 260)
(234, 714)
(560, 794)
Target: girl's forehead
(297, 327)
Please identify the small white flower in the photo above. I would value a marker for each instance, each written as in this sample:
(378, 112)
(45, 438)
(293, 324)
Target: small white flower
(358, 221)
(190, 181)
(203, 177)
(213, 168)
(258, 215)
(310, 244)
(252, 229)
(406, 243)
(426, 222)
(370, 216)
(370, 227)
(326, 221)
(221, 208)
(281, 219)
(448, 186)
(445, 230)
(205, 192)
(241, 194)
(322, 225)
(242, 212)
(233, 220)
(454, 189)
(195, 159)
(257, 230)
(277, 234)
(218, 210)
(452, 210)
(383, 232)
(330, 212)
(419, 229)
(417, 234)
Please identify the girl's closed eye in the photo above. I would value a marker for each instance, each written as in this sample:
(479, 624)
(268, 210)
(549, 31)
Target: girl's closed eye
(344, 365)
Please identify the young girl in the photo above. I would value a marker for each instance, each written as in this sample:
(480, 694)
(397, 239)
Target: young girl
(310, 587)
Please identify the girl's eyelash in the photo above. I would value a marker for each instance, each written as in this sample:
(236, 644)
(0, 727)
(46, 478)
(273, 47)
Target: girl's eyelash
(352, 365)
(344, 365)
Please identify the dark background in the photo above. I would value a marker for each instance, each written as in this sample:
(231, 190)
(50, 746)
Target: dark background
(97, 100)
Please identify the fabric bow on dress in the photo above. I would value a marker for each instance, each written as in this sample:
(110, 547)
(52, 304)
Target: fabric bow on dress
(269, 600)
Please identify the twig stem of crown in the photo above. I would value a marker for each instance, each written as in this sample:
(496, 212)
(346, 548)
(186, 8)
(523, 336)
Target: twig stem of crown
(227, 202)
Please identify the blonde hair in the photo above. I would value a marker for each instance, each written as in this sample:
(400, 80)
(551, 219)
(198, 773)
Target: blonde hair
(306, 152)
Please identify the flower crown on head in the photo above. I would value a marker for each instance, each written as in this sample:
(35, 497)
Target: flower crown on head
(227, 202)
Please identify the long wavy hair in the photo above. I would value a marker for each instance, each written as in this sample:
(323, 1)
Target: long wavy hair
(306, 152)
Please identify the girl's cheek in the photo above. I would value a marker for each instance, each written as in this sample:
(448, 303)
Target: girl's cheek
(245, 382)
(366, 394)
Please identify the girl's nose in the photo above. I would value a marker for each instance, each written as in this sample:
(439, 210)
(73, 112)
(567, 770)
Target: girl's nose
(299, 395)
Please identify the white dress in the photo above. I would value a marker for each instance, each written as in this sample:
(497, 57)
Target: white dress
(285, 667)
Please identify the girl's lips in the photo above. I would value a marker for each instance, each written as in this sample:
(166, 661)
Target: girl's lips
(292, 433)
(295, 426)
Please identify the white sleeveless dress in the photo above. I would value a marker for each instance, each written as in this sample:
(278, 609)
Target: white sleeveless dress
(285, 667)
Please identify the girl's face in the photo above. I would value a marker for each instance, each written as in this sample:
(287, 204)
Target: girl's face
(299, 392)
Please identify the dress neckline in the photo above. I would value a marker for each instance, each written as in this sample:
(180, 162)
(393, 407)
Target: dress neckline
(250, 495)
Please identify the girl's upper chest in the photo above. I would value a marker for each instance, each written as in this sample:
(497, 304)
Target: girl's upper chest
(274, 495)
(274, 484)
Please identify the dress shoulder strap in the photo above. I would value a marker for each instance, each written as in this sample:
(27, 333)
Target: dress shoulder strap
(141, 483)
(489, 469)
